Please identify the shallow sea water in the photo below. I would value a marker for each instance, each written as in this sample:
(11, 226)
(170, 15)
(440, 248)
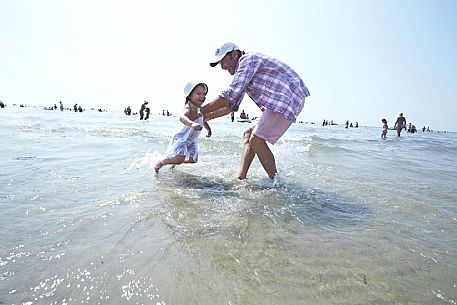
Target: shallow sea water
(355, 220)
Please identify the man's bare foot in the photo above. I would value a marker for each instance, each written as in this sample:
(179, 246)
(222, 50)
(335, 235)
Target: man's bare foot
(158, 167)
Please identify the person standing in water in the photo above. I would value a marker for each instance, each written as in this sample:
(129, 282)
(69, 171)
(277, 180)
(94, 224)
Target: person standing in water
(385, 127)
(400, 123)
(142, 109)
(275, 88)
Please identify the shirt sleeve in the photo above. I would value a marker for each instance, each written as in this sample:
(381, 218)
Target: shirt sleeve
(247, 67)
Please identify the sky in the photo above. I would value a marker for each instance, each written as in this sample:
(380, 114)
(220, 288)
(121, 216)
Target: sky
(362, 60)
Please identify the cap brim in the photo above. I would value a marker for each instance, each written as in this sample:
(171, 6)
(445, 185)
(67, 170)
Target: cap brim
(213, 64)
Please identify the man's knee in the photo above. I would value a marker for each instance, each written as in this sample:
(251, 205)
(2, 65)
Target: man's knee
(255, 140)
(247, 136)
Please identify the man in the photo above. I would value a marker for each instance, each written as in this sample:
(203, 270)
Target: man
(276, 89)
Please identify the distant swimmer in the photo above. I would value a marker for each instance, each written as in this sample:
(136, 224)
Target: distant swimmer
(243, 115)
(147, 111)
(385, 128)
(143, 107)
(400, 124)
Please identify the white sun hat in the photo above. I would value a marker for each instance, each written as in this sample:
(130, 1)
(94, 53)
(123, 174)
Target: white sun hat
(191, 85)
(221, 51)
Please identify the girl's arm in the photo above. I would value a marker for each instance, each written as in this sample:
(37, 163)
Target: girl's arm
(207, 128)
(188, 122)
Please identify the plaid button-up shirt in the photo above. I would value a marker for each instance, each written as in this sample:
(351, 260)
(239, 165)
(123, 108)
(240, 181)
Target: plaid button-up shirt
(270, 83)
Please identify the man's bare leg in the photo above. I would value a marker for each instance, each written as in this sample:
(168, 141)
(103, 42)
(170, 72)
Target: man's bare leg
(264, 154)
(248, 155)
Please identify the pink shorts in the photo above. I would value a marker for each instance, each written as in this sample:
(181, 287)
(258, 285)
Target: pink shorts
(271, 126)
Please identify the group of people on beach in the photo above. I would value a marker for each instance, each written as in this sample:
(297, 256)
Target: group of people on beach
(273, 86)
(400, 124)
(348, 124)
(78, 108)
(144, 111)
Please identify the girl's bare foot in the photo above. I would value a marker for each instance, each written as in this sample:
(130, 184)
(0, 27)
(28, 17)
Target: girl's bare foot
(158, 167)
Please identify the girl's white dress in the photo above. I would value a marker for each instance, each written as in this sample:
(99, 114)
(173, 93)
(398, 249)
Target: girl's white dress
(184, 143)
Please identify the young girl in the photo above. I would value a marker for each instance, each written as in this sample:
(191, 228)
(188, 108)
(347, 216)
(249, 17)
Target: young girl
(384, 129)
(183, 146)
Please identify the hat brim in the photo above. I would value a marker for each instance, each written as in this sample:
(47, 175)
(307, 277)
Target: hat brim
(217, 59)
(221, 52)
(194, 85)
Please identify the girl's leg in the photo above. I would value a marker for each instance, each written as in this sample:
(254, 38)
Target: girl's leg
(248, 155)
(176, 160)
(191, 160)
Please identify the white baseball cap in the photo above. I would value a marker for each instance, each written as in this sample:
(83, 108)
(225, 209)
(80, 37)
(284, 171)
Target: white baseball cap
(221, 51)
(191, 85)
